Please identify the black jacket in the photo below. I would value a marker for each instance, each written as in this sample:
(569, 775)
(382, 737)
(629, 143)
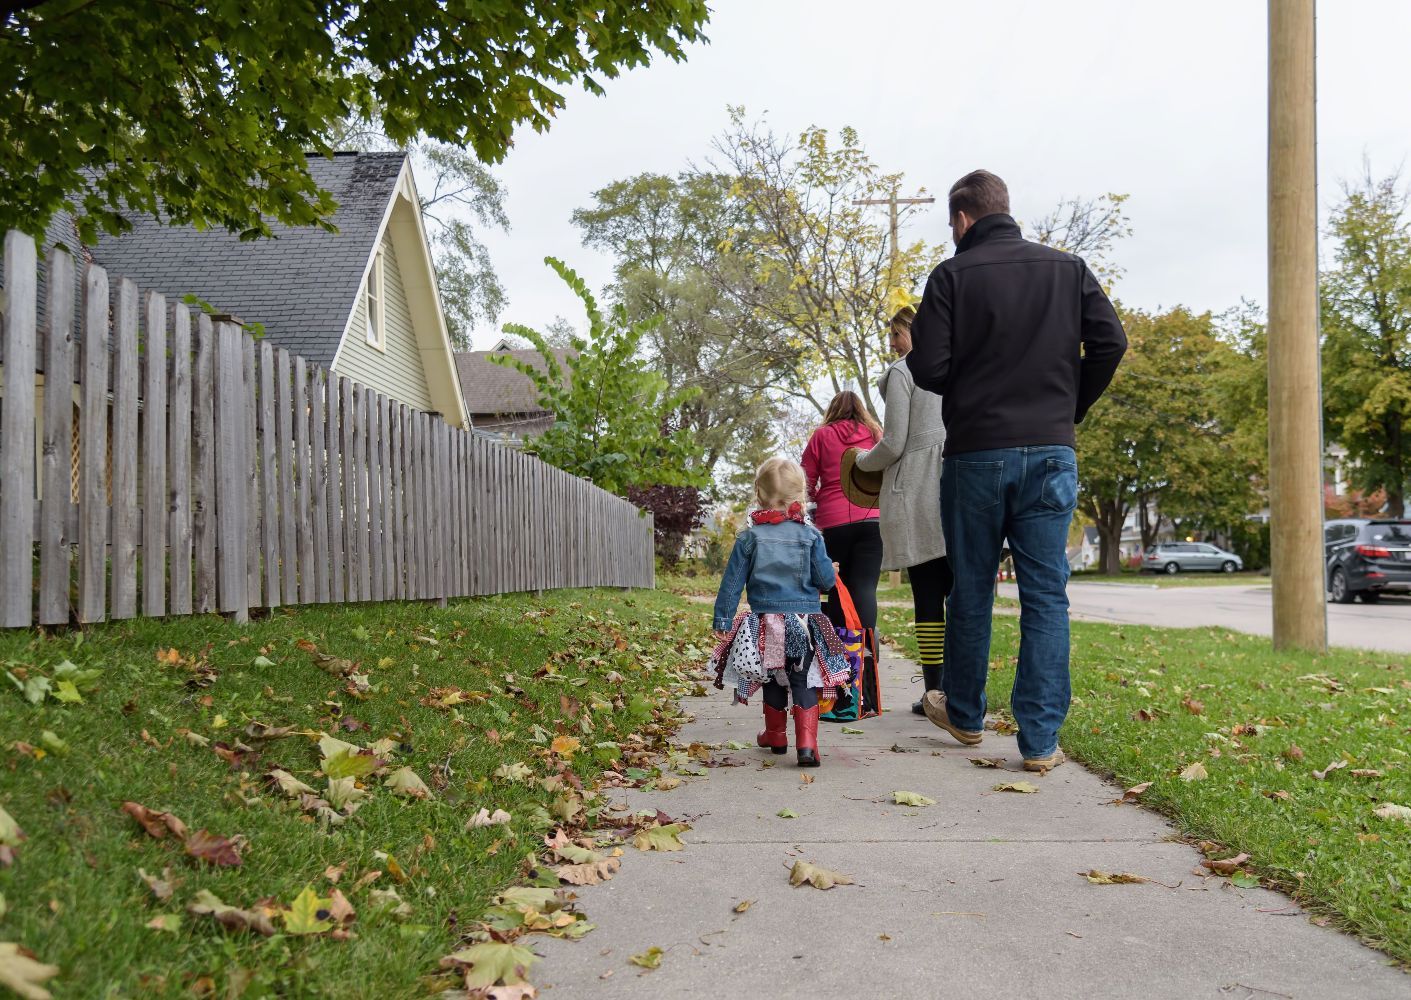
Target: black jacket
(1017, 338)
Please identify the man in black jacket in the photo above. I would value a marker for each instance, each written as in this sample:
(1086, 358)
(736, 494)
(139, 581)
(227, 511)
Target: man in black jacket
(1019, 340)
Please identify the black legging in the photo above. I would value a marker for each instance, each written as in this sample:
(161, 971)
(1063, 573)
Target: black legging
(930, 583)
(857, 549)
(776, 696)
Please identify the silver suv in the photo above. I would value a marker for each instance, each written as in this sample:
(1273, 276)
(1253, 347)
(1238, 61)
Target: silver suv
(1175, 557)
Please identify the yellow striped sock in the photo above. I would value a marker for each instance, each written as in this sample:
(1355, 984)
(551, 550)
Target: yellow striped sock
(931, 641)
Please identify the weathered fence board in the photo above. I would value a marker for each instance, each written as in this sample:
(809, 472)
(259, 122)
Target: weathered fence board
(54, 540)
(217, 472)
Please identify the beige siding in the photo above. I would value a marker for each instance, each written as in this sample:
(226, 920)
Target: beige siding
(397, 372)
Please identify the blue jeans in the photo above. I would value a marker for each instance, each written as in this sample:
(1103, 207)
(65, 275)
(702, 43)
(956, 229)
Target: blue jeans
(1025, 495)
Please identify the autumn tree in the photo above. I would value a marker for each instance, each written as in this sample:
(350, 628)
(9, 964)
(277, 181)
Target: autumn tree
(614, 417)
(207, 111)
(664, 233)
(817, 265)
(1366, 313)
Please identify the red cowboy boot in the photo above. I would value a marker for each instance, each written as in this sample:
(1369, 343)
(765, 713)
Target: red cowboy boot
(806, 735)
(775, 734)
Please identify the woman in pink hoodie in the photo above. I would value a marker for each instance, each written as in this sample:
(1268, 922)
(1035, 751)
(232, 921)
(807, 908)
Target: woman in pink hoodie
(850, 532)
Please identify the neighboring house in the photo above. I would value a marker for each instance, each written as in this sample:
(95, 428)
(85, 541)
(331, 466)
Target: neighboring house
(361, 302)
(502, 402)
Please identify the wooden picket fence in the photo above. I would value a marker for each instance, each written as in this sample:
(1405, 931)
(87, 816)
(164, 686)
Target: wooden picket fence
(275, 481)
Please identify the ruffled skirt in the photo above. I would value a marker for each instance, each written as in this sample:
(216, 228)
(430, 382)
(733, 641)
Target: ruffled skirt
(761, 648)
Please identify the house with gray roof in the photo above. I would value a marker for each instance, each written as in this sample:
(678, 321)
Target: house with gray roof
(501, 401)
(361, 302)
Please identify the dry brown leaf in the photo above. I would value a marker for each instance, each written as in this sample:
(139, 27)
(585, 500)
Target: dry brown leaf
(1227, 866)
(1366, 772)
(22, 972)
(156, 824)
(743, 906)
(162, 887)
(819, 878)
(1195, 772)
(1336, 765)
(987, 761)
(589, 873)
(1098, 877)
(223, 852)
(1134, 793)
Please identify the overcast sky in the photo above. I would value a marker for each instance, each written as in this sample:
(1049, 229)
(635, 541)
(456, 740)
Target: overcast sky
(1164, 102)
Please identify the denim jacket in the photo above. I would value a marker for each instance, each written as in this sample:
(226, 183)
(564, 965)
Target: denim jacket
(781, 567)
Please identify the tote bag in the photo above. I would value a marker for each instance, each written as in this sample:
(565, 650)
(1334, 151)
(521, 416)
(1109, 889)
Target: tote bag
(862, 699)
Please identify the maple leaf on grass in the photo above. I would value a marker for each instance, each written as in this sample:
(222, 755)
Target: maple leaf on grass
(162, 887)
(1390, 810)
(405, 781)
(223, 852)
(491, 962)
(565, 746)
(288, 784)
(660, 838)
(819, 878)
(1195, 772)
(11, 837)
(308, 914)
(23, 973)
(351, 764)
(487, 818)
(168, 922)
(208, 904)
(156, 824)
(514, 772)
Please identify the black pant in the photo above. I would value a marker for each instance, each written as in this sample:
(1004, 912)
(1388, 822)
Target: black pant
(857, 549)
(777, 698)
(930, 583)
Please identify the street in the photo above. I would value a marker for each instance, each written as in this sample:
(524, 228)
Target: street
(1384, 626)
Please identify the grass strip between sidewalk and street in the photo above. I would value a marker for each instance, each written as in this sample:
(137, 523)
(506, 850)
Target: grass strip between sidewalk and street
(1303, 762)
(504, 703)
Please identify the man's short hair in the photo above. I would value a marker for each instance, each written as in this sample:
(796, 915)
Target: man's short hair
(978, 194)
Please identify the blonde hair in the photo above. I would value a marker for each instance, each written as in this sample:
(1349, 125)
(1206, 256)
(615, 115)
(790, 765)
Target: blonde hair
(848, 405)
(780, 482)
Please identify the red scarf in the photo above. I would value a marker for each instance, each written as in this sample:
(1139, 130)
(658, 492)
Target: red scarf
(794, 513)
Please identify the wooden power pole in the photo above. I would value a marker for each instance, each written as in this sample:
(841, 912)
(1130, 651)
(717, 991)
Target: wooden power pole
(892, 201)
(1295, 397)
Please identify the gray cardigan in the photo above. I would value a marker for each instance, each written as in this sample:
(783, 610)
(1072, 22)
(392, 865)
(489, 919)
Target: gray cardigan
(909, 458)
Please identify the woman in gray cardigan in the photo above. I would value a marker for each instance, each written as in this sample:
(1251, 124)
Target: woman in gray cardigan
(909, 458)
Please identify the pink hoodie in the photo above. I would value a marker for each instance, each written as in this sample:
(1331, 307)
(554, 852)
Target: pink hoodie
(822, 461)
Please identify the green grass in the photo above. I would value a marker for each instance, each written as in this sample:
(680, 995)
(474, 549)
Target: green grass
(1321, 843)
(73, 893)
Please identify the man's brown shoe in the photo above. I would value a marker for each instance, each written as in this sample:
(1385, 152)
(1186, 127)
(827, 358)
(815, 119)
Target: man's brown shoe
(934, 704)
(1045, 764)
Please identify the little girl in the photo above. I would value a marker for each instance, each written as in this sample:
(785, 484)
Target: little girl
(784, 643)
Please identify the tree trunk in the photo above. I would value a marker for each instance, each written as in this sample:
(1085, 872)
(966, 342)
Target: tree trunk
(1149, 529)
(1108, 518)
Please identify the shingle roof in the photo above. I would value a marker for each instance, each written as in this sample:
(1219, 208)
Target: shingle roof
(489, 388)
(301, 285)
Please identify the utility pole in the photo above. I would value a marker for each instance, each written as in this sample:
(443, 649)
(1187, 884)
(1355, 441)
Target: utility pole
(892, 202)
(1295, 396)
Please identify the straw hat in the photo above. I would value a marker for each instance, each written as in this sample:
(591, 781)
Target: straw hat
(861, 487)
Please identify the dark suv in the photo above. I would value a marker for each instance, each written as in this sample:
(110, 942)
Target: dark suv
(1367, 559)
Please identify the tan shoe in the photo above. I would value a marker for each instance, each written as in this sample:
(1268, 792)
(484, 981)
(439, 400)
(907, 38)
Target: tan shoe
(1045, 764)
(934, 704)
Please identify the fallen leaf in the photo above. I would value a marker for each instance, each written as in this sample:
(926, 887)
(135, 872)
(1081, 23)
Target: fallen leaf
(1245, 880)
(208, 903)
(1336, 765)
(1366, 772)
(344, 794)
(514, 772)
(805, 779)
(308, 914)
(743, 906)
(660, 838)
(1390, 810)
(156, 824)
(23, 973)
(405, 781)
(1279, 794)
(787, 814)
(911, 799)
(491, 962)
(819, 878)
(1195, 772)
(987, 761)
(667, 782)
(850, 731)
(205, 846)
(288, 784)
(1134, 793)
(353, 763)
(11, 837)
(649, 959)
(486, 818)
(1227, 866)
(1192, 706)
(565, 746)
(162, 887)
(1098, 877)
(334, 872)
(1025, 787)
(168, 922)
(589, 873)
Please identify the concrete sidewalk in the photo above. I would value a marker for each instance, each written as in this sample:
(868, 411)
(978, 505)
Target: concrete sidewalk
(978, 894)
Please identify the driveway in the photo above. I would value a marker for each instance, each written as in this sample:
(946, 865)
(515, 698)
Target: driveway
(1384, 626)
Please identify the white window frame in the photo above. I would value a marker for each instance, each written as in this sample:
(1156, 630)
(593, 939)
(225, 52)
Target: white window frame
(375, 305)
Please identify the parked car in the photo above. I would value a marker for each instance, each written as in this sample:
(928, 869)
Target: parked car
(1367, 558)
(1177, 557)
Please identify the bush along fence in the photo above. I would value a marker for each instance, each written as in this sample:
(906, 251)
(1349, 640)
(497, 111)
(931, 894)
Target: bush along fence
(232, 475)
